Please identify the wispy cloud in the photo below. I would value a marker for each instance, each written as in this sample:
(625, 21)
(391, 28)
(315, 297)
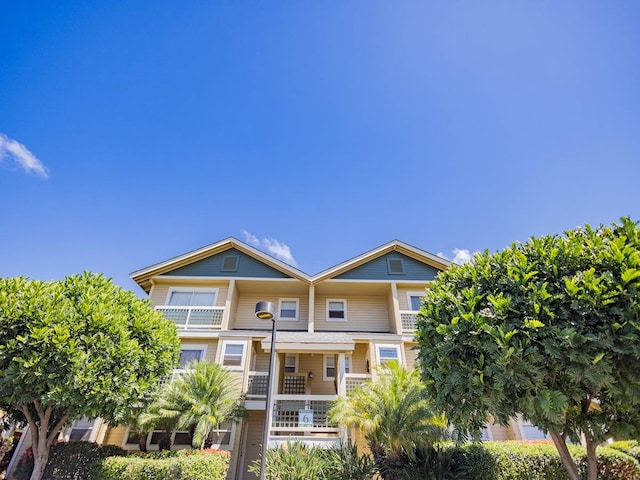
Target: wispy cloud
(272, 246)
(460, 255)
(20, 154)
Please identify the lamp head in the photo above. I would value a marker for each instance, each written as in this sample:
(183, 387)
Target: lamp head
(265, 310)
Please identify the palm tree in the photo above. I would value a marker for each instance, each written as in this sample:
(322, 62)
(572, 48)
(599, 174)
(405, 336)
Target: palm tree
(199, 400)
(393, 414)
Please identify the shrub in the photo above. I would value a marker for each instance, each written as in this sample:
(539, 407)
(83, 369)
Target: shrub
(630, 447)
(177, 465)
(346, 463)
(298, 461)
(68, 461)
(517, 461)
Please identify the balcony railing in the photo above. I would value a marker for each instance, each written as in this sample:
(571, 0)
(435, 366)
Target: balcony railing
(352, 380)
(258, 384)
(193, 317)
(408, 318)
(302, 413)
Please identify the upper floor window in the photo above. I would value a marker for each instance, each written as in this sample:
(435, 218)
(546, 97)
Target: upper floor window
(230, 263)
(192, 297)
(387, 353)
(190, 354)
(395, 266)
(288, 309)
(336, 310)
(233, 355)
(80, 430)
(414, 299)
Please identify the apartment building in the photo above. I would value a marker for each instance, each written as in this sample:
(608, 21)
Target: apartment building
(333, 329)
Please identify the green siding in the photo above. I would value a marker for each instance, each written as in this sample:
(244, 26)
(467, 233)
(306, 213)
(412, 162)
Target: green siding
(377, 269)
(248, 267)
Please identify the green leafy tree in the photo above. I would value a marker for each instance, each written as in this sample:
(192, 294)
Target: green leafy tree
(199, 400)
(548, 329)
(393, 414)
(80, 347)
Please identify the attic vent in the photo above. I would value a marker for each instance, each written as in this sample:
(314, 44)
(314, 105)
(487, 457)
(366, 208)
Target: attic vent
(395, 266)
(230, 263)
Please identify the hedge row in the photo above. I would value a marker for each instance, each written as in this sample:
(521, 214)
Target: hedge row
(518, 461)
(89, 461)
(181, 467)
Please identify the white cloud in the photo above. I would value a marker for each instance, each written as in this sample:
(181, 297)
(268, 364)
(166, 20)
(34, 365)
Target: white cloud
(22, 156)
(250, 238)
(272, 246)
(460, 255)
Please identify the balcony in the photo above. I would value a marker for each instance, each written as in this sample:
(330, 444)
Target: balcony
(408, 319)
(193, 317)
(257, 386)
(303, 413)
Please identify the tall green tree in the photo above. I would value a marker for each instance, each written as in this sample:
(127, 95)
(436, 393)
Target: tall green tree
(392, 413)
(199, 400)
(548, 329)
(80, 347)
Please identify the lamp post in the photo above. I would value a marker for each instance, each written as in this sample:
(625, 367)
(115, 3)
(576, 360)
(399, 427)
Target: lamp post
(267, 311)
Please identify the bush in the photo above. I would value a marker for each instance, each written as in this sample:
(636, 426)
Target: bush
(177, 465)
(630, 447)
(69, 461)
(298, 461)
(518, 461)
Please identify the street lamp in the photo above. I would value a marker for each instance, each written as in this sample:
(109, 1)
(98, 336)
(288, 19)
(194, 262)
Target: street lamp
(267, 311)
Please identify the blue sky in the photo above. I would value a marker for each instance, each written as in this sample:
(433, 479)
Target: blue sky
(131, 132)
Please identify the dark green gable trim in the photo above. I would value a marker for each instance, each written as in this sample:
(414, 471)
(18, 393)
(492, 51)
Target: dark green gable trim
(248, 267)
(378, 269)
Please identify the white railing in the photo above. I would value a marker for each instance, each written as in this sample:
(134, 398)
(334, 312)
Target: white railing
(193, 317)
(352, 380)
(290, 410)
(257, 385)
(408, 319)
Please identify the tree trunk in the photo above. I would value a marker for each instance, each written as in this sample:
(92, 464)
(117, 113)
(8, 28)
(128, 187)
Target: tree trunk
(592, 460)
(39, 465)
(565, 456)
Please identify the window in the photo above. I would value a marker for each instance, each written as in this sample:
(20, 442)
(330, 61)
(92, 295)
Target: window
(192, 297)
(386, 353)
(291, 363)
(330, 366)
(336, 310)
(230, 263)
(179, 439)
(528, 431)
(233, 356)
(414, 299)
(190, 354)
(81, 430)
(395, 266)
(288, 309)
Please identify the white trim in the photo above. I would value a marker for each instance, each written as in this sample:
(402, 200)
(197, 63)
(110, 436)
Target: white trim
(192, 290)
(295, 365)
(243, 358)
(388, 346)
(413, 294)
(288, 319)
(344, 303)
(347, 359)
(521, 428)
(193, 346)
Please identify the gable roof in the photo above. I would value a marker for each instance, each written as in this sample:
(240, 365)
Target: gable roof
(143, 276)
(392, 246)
